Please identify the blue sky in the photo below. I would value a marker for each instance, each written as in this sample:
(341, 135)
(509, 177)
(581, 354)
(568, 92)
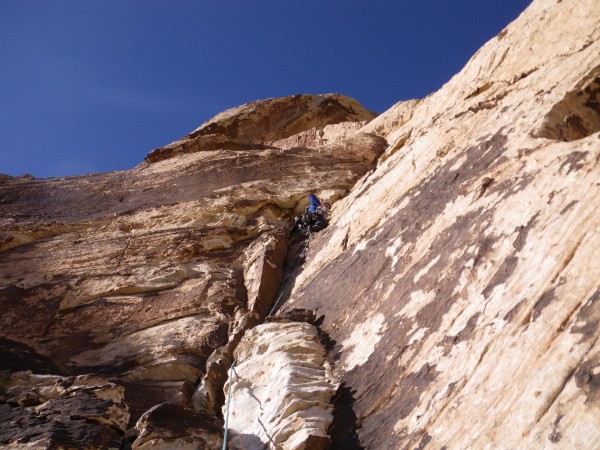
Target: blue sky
(94, 85)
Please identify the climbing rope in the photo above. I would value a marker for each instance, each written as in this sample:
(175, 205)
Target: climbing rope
(294, 268)
(274, 307)
(227, 408)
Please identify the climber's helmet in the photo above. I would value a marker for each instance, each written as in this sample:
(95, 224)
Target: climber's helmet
(325, 207)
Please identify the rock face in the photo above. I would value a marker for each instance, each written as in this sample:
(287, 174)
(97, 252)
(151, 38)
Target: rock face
(142, 275)
(170, 425)
(267, 123)
(46, 411)
(461, 279)
(456, 290)
(280, 395)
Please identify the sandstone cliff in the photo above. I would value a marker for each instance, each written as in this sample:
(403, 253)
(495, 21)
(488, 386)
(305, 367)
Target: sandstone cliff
(462, 288)
(139, 276)
(456, 289)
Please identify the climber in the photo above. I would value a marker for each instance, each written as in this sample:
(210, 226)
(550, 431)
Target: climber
(314, 218)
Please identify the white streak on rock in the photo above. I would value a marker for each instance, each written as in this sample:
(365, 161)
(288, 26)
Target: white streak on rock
(363, 340)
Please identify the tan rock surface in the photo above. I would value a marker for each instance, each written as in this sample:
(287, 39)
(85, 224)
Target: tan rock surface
(280, 396)
(149, 278)
(141, 275)
(317, 137)
(264, 123)
(461, 279)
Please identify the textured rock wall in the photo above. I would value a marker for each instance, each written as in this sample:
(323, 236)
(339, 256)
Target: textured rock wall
(48, 411)
(268, 123)
(460, 280)
(280, 395)
(145, 274)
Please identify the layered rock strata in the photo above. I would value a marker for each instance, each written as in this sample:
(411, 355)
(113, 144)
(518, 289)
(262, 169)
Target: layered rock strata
(142, 275)
(280, 396)
(49, 411)
(461, 280)
(171, 425)
(271, 123)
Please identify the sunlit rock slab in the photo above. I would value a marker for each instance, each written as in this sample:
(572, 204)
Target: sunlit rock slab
(460, 280)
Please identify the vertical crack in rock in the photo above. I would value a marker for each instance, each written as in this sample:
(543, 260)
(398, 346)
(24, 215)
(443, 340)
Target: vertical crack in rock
(344, 426)
(284, 355)
(263, 262)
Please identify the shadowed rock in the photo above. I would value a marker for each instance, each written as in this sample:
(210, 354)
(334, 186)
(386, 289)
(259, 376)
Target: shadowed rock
(54, 411)
(170, 425)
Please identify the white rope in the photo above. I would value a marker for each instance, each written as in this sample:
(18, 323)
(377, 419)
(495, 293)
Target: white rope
(227, 408)
(275, 304)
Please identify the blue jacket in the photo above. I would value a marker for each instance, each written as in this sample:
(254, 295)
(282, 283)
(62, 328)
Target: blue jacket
(314, 203)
